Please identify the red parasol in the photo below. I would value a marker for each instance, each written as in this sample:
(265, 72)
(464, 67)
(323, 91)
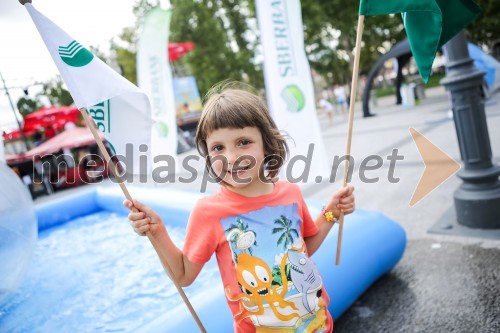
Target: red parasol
(177, 50)
(52, 118)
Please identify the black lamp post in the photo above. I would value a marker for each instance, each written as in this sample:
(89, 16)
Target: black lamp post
(477, 200)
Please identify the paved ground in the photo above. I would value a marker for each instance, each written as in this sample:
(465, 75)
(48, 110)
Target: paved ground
(443, 283)
(438, 287)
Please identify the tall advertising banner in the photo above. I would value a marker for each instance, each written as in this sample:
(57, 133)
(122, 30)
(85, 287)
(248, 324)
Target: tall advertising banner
(289, 87)
(155, 78)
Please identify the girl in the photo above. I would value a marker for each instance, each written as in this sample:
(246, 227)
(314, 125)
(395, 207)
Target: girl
(259, 228)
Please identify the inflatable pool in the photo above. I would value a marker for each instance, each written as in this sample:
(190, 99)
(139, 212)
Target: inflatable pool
(18, 231)
(92, 273)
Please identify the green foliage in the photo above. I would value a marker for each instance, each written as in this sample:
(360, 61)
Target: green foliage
(98, 53)
(27, 105)
(57, 94)
(284, 226)
(385, 91)
(125, 47)
(330, 36)
(226, 40)
(218, 30)
(486, 29)
(125, 50)
(53, 90)
(434, 80)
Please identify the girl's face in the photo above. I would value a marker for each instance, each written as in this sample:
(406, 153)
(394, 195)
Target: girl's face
(237, 156)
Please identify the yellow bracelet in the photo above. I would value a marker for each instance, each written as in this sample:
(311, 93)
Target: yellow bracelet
(328, 215)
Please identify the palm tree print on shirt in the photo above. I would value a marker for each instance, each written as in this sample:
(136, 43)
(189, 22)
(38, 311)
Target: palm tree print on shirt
(284, 225)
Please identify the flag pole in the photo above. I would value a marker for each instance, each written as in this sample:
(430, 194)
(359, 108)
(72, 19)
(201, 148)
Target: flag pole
(354, 86)
(159, 250)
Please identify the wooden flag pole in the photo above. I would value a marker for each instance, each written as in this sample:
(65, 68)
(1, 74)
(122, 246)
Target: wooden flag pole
(354, 86)
(159, 250)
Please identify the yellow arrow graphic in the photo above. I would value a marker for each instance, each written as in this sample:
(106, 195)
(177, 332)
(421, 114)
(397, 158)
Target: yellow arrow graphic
(439, 166)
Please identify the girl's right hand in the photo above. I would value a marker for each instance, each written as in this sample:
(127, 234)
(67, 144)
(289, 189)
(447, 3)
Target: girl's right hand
(143, 219)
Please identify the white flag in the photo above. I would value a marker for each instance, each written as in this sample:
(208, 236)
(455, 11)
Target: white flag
(120, 109)
(289, 87)
(155, 78)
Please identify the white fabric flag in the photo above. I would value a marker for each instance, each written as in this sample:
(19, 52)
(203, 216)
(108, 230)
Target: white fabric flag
(155, 78)
(120, 109)
(289, 87)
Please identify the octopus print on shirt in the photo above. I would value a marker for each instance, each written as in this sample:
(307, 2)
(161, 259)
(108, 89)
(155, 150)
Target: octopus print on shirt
(279, 285)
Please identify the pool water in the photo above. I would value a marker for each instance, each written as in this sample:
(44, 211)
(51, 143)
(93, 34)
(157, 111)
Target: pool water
(94, 274)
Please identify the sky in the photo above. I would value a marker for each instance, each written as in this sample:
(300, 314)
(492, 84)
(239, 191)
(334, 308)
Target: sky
(24, 58)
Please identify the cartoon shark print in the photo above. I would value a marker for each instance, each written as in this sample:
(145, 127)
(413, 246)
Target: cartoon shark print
(304, 274)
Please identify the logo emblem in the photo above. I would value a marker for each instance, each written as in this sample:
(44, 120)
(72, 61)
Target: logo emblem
(75, 54)
(162, 129)
(294, 98)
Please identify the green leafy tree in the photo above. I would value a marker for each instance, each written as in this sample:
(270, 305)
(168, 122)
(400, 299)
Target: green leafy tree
(53, 90)
(330, 37)
(56, 93)
(486, 29)
(238, 15)
(126, 53)
(217, 28)
(27, 105)
(125, 45)
(284, 226)
(98, 53)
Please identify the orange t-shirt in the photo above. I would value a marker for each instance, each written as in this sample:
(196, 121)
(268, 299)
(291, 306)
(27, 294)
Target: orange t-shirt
(259, 244)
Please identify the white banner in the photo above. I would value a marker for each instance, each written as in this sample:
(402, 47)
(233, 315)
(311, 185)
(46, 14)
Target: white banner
(289, 87)
(155, 78)
(120, 109)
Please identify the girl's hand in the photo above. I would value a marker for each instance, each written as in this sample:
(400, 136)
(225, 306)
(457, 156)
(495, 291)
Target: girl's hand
(343, 199)
(143, 219)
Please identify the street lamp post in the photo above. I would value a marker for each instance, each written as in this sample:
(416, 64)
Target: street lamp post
(477, 200)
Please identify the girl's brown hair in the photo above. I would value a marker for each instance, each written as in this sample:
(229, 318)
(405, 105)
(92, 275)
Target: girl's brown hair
(227, 106)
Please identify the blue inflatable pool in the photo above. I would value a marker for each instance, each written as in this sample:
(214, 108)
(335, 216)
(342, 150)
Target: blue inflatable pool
(91, 273)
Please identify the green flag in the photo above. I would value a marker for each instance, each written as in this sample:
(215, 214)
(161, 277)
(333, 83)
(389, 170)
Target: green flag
(429, 24)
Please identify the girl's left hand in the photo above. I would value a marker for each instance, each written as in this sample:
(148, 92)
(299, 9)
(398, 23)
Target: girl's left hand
(343, 199)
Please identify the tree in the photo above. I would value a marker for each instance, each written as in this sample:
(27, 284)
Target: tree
(53, 90)
(226, 39)
(330, 37)
(284, 226)
(125, 46)
(218, 29)
(56, 93)
(27, 105)
(126, 53)
(486, 29)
